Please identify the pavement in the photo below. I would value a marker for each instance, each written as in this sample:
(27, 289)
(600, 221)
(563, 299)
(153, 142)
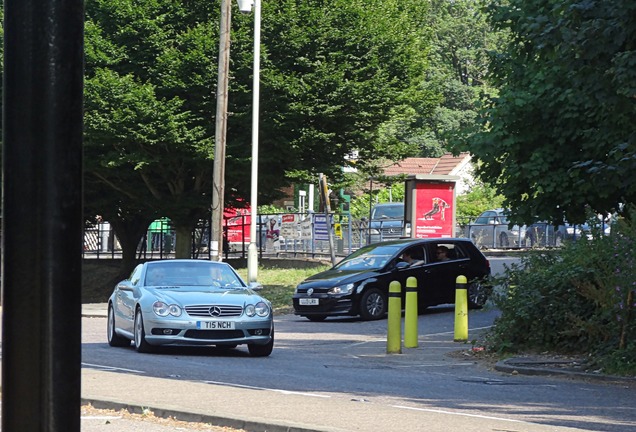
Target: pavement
(261, 412)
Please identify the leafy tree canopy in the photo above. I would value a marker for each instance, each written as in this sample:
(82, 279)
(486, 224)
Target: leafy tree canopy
(560, 137)
(331, 73)
(334, 73)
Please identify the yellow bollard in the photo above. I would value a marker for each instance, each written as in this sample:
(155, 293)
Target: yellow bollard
(394, 320)
(461, 309)
(410, 313)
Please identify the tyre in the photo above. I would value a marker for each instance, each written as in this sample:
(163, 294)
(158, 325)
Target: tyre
(114, 339)
(373, 304)
(261, 350)
(316, 318)
(478, 294)
(503, 241)
(140, 334)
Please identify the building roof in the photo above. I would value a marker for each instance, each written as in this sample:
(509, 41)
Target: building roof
(445, 165)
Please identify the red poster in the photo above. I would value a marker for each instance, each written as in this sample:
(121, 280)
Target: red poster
(434, 210)
(237, 224)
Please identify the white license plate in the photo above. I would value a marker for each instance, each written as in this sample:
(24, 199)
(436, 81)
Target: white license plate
(308, 301)
(215, 325)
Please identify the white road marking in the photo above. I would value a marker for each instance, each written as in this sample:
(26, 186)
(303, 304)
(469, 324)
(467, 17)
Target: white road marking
(267, 389)
(459, 414)
(112, 368)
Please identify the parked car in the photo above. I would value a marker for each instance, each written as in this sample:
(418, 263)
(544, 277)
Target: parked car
(544, 234)
(387, 222)
(189, 302)
(358, 285)
(541, 234)
(492, 230)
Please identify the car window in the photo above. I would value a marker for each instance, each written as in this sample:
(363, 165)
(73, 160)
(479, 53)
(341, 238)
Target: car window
(368, 258)
(460, 252)
(135, 276)
(192, 274)
(414, 255)
(485, 218)
(447, 252)
(396, 211)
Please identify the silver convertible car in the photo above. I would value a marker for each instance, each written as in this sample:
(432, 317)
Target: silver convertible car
(189, 302)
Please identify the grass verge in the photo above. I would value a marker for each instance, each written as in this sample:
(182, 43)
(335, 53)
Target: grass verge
(279, 284)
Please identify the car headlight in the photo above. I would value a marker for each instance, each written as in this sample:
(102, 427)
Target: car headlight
(345, 289)
(162, 309)
(261, 309)
(374, 231)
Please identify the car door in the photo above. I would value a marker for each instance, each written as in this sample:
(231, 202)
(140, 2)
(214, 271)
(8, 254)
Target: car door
(441, 276)
(416, 269)
(125, 299)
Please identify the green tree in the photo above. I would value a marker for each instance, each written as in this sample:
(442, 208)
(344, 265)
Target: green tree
(461, 38)
(332, 73)
(147, 151)
(481, 197)
(559, 138)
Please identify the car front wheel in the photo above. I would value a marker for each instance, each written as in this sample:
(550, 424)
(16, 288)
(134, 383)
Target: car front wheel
(261, 350)
(140, 334)
(373, 304)
(114, 339)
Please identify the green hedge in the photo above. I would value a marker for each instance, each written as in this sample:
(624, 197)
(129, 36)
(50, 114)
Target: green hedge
(579, 299)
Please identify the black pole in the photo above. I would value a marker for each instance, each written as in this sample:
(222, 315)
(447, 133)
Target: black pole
(42, 215)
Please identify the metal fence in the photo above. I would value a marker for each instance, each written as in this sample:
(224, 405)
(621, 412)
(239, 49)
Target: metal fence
(307, 235)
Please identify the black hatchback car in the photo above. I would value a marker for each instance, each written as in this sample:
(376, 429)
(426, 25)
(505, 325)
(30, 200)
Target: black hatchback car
(359, 284)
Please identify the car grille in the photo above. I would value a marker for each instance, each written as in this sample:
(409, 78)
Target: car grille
(214, 334)
(391, 232)
(214, 310)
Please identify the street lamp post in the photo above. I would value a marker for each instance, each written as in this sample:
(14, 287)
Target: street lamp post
(245, 6)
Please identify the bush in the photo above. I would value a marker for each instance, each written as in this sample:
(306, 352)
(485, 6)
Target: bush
(579, 299)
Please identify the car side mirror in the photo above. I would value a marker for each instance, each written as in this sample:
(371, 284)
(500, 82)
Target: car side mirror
(255, 286)
(125, 285)
(402, 265)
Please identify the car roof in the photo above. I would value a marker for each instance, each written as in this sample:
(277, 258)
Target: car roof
(388, 204)
(407, 241)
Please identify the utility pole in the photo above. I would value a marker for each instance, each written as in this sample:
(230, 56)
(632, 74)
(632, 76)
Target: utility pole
(218, 186)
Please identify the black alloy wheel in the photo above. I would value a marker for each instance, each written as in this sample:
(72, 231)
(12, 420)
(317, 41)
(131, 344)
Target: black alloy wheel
(373, 304)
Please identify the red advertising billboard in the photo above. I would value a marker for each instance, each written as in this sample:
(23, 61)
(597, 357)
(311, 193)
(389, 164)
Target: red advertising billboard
(434, 210)
(237, 224)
